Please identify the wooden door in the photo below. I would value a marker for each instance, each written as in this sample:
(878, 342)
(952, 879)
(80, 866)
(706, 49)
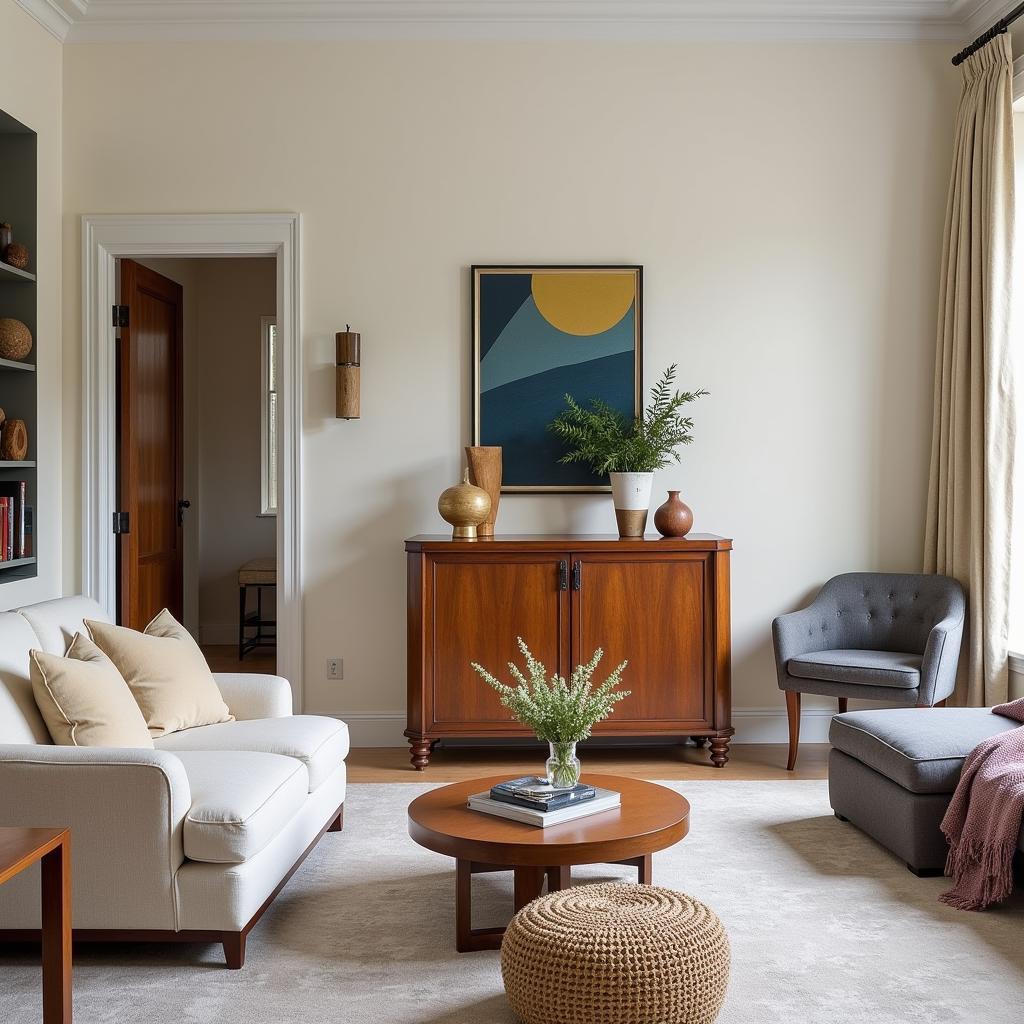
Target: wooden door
(654, 613)
(150, 456)
(480, 606)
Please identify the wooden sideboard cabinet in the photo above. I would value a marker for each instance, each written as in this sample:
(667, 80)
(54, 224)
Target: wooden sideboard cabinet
(661, 604)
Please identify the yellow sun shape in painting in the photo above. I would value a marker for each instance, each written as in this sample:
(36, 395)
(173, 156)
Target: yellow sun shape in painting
(583, 303)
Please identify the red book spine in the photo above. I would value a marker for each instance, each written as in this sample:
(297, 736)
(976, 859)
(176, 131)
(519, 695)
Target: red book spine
(5, 553)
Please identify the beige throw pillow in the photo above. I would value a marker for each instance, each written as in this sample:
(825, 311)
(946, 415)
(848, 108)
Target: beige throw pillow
(84, 700)
(166, 672)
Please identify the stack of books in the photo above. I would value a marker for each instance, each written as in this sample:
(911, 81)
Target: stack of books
(15, 521)
(532, 801)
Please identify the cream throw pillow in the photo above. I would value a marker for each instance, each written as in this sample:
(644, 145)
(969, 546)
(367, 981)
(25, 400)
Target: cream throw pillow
(83, 699)
(166, 672)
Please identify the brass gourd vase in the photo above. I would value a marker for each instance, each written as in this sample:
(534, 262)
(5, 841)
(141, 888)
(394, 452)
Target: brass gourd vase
(465, 507)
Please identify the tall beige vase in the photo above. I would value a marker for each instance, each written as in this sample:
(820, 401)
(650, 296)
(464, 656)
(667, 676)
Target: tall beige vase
(485, 471)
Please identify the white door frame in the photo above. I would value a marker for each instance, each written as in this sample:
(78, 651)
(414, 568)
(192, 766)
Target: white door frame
(108, 237)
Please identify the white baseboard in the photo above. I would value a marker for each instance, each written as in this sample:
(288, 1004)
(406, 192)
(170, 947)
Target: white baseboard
(753, 725)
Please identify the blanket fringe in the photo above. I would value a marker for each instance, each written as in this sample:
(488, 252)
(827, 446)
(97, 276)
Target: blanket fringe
(970, 858)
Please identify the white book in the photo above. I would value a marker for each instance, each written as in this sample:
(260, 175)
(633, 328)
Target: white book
(605, 800)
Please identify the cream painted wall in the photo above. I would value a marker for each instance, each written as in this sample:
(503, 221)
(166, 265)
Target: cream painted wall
(31, 91)
(223, 302)
(786, 201)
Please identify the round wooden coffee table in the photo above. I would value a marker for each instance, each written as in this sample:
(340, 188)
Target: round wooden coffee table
(650, 818)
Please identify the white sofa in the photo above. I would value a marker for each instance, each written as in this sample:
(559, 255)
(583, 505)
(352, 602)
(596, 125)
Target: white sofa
(188, 842)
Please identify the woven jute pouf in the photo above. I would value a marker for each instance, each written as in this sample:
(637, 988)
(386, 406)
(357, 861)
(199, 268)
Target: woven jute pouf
(615, 954)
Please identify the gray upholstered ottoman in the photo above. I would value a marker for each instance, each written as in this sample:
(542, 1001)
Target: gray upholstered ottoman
(892, 774)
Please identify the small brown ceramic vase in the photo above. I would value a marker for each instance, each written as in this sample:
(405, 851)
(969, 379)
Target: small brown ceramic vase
(485, 472)
(674, 518)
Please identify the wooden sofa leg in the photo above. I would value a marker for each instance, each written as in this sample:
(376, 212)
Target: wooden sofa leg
(844, 705)
(339, 822)
(234, 949)
(793, 711)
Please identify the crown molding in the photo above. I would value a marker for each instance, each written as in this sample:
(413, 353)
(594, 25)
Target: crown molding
(180, 20)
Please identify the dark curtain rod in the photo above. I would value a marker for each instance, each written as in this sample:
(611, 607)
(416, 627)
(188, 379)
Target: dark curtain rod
(986, 37)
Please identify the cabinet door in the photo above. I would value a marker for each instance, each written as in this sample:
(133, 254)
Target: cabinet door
(480, 605)
(652, 612)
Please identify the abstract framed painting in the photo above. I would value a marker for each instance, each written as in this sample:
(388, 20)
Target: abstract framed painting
(539, 333)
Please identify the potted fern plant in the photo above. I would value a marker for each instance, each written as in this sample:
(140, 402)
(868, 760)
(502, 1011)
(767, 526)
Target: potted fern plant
(628, 450)
(559, 712)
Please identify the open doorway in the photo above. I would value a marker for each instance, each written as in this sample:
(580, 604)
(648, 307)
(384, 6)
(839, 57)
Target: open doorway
(110, 238)
(197, 451)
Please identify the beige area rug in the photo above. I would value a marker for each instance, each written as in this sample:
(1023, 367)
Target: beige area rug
(825, 925)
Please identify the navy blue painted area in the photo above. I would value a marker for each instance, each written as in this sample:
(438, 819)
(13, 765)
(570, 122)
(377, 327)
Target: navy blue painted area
(501, 295)
(516, 416)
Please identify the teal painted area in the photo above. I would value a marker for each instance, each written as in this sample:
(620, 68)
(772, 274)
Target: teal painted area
(529, 345)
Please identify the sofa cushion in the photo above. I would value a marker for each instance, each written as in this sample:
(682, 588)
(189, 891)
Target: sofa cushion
(870, 668)
(84, 701)
(319, 743)
(20, 720)
(920, 749)
(166, 672)
(56, 622)
(240, 801)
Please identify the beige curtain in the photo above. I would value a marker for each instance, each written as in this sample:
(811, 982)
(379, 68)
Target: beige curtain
(970, 487)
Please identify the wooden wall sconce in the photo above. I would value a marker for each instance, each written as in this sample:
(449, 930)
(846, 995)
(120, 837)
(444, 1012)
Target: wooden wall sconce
(346, 374)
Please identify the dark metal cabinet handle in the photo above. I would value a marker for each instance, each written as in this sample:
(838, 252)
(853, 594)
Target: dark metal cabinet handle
(182, 505)
(563, 575)
(577, 575)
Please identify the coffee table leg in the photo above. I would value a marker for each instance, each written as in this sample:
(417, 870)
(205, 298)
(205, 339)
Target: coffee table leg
(467, 938)
(56, 920)
(529, 883)
(559, 877)
(643, 867)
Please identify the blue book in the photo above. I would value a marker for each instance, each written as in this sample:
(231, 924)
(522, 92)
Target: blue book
(535, 794)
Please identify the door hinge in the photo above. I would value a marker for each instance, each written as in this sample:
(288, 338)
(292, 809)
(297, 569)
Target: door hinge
(120, 522)
(119, 316)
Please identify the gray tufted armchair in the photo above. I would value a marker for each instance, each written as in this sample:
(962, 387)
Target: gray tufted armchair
(871, 635)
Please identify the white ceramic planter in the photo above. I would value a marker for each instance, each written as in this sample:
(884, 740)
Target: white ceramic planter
(631, 495)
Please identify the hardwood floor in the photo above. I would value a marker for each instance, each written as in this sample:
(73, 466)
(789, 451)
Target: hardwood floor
(224, 658)
(747, 763)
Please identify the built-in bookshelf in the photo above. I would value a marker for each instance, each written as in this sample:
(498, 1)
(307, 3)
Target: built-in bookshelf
(18, 390)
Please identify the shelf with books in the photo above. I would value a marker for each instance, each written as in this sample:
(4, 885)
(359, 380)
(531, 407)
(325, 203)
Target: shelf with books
(23, 464)
(17, 569)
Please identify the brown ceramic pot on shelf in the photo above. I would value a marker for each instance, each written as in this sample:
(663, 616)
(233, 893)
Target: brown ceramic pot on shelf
(674, 518)
(485, 472)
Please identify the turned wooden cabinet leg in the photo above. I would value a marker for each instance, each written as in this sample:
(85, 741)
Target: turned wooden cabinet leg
(844, 703)
(719, 751)
(339, 822)
(421, 749)
(234, 949)
(793, 711)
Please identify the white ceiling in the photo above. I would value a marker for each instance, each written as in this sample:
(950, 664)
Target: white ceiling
(94, 20)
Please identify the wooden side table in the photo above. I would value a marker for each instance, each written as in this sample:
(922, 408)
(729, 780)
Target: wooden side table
(20, 848)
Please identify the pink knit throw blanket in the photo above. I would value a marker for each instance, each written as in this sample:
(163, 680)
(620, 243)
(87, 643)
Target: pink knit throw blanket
(984, 818)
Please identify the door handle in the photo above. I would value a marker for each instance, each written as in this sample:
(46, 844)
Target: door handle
(563, 575)
(577, 575)
(182, 505)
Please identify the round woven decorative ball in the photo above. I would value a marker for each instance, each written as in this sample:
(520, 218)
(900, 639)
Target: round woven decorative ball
(615, 954)
(16, 255)
(15, 339)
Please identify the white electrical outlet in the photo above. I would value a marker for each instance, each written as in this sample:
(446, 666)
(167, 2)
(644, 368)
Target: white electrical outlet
(335, 668)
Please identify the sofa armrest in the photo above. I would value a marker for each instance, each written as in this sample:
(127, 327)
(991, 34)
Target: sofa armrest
(125, 809)
(249, 695)
(940, 660)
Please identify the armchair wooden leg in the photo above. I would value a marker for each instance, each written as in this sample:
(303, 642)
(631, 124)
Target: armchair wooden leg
(793, 711)
(844, 703)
